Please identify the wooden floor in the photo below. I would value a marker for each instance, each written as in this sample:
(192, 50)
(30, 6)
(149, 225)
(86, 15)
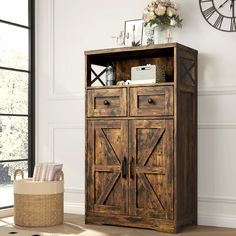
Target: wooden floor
(74, 225)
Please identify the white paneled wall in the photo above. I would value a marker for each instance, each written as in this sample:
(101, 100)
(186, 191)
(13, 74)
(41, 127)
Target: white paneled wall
(60, 98)
(216, 157)
(65, 28)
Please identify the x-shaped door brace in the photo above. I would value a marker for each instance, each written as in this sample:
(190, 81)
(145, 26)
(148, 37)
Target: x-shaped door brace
(97, 76)
(187, 73)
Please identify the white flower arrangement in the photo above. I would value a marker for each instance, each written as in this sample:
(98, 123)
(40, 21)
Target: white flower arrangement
(162, 13)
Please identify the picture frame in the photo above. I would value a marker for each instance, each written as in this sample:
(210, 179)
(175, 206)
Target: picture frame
(133, 32)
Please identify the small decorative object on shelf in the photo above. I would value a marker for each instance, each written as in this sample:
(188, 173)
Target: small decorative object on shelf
(149, 32)
(122, 82)
(133, 32)
(110, 76)
(143, 74)
(119, 39)
(163, 14)
(160, 74)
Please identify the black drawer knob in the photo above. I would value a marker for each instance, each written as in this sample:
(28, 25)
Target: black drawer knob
(106, 103)
(150, 101)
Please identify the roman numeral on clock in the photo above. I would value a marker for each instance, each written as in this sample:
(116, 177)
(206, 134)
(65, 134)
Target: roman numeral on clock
(220, 14)
(209, 12)
(233, 24)
(218, 22)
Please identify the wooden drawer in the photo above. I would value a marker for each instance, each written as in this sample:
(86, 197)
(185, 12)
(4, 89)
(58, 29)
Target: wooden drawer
(107, 102)
(151, 101)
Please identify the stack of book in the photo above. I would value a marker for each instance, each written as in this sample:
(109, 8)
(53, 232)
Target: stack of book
(46, 171)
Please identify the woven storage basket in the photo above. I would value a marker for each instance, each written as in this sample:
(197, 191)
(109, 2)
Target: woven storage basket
(38, 203)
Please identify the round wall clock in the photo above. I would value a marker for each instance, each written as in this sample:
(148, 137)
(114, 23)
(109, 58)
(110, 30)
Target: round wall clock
(221, 14)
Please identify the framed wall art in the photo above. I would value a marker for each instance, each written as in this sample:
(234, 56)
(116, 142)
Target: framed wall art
(133, 32)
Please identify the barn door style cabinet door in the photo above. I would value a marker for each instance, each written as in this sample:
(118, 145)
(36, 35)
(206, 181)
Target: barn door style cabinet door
(141, 139)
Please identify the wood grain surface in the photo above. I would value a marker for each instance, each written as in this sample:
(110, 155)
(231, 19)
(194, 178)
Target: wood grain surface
(141, 141)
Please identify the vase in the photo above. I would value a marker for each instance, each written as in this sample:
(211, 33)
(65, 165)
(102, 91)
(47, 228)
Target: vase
(169, 34)
(159, 35)
(149, 33)
(154, 35)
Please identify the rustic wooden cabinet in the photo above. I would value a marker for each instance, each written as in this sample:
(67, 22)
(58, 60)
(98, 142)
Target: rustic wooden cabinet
(141, 140)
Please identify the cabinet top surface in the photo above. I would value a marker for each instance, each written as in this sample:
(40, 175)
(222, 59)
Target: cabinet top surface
(137, 49)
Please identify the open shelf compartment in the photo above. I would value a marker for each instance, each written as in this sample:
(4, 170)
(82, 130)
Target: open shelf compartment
(122, 61)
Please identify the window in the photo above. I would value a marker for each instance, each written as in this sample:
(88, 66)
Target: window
(16, 93)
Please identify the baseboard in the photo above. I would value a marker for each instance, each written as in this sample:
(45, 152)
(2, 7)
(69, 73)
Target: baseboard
(207, 203)
(74, 208)
(218, 220)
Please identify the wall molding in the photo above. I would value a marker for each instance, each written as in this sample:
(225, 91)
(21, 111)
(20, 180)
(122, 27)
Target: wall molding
(217, 199)
(51, 52)
(57, 126)
(217, 91)
(75, 190)
(53, 94)
(66, 97)
(216, 126)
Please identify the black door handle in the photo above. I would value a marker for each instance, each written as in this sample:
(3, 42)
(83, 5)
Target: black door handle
(131, 168)
(150, 101)
(124, 168)
(106, 103)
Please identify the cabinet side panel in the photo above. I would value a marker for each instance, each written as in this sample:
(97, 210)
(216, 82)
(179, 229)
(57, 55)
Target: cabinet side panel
(187, 139)
(187, 158)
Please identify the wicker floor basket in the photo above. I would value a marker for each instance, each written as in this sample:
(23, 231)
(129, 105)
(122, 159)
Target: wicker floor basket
(38, 203)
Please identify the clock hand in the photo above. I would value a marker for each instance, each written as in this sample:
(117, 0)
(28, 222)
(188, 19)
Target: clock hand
(233, 11)
(223, 4)
(232, 7)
